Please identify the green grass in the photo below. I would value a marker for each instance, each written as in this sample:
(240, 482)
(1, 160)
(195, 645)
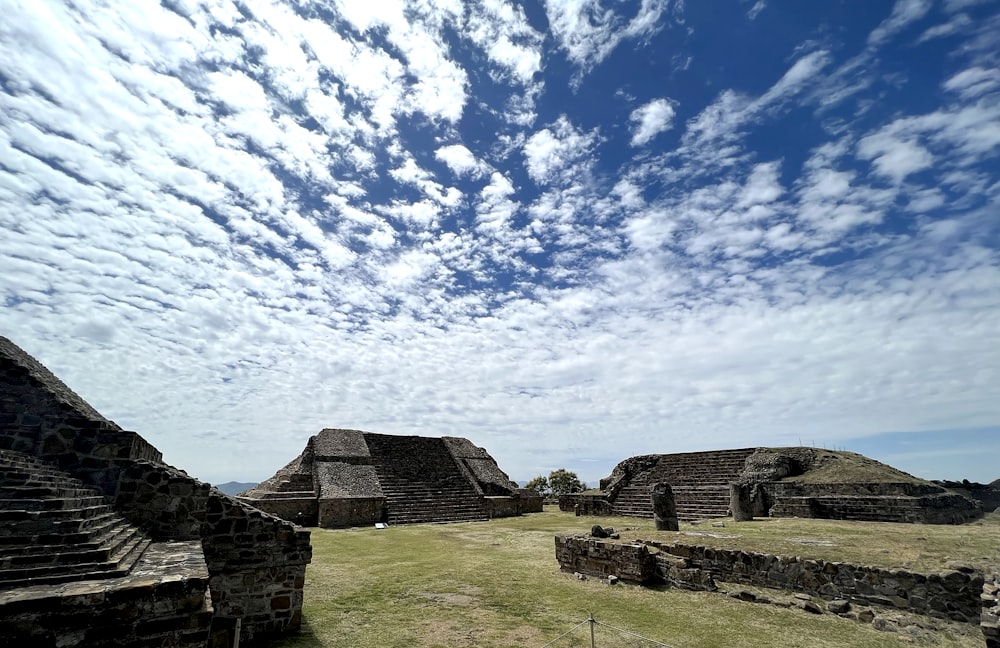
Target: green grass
(841, 466)
(920, 547)
(498, 584)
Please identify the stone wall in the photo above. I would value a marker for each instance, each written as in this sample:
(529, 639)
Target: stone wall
(883, 502)
(990, 619)
(256, 561)
(953, 594)
(585, 504)
(350, 511)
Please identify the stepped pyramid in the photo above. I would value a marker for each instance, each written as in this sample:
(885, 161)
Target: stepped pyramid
(354, 478)
(699, 480)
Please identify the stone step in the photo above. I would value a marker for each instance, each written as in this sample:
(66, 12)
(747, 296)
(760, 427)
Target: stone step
(110, 533)
(16, 476)
(118, 564)
(73, 503)
(69, 555)
(43, 523)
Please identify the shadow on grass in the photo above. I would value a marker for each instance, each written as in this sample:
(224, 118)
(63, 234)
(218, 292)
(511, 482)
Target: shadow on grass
(306, 638)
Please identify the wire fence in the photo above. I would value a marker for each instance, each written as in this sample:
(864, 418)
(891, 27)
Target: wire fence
(593, 633)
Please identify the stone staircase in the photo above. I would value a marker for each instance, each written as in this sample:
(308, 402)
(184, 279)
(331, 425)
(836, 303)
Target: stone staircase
(54, 529)
(421, 481)
(699, 480)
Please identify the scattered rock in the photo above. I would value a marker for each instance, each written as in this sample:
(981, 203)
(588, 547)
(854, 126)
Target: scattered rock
(718, 525)
(580, 576)
(866, 616)
(802, 597)
(743, 595)
(961, 567)
(612, 580)
(811, 607)
(597, 531)
(884, 625)
(838, 606)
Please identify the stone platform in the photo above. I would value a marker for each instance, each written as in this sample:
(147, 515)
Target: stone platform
(164, 601)
(354, 478)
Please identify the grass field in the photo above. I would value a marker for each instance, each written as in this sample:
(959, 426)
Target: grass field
(497, 584)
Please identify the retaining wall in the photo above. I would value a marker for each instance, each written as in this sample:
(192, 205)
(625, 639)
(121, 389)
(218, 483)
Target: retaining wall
(585, 504)
(351, 511)
(879, 502)
(952, 594)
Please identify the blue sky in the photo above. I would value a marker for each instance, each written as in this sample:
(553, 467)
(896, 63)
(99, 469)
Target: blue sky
(571, 231)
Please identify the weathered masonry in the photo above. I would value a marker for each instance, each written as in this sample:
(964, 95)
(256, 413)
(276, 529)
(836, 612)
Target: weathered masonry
(103, 544)
(963, 594)
(353, 478)
(779, 482)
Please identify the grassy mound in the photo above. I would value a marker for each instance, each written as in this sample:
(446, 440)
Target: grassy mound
(821, 466)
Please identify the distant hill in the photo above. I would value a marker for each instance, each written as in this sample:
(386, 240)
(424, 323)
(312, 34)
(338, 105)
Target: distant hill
(235, 488)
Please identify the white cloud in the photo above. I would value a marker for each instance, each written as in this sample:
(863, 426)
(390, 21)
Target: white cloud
(893, 157)
(267, 226)
(974, 82)
(550, 152)
(755, 10)
(651, 119)
(459, 159)
(589, 32)
(904, 13)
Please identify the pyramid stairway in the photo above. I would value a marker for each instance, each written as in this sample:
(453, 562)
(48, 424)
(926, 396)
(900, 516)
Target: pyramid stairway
(54, 529)
(699, 481)
(421, 481)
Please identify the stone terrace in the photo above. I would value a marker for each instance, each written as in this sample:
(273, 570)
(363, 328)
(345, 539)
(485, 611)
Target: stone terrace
(699, 480)
(422, 481)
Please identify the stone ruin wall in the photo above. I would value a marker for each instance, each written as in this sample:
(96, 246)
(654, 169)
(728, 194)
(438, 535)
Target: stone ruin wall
(873, 502)
(924, 503)
(256, 561)
(965, 595)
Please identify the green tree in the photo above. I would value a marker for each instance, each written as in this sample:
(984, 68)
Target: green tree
(563, 482)
(540, 485)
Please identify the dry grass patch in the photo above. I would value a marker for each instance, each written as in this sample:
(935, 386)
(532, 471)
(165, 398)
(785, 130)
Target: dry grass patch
(493, 584)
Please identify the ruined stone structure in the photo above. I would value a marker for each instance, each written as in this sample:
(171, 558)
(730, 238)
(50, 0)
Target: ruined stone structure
(782, 482)
(103, 544)
(354, 478)
(963, 595)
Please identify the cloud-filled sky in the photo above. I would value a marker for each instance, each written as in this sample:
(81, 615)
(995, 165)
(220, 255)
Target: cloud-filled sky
(570, 230)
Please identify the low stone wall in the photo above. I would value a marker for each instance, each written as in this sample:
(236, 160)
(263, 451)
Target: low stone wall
(500, 506)
(632, 563)
(301, 510)
(351, 511)
(531, 502)
(990, 619)
(257, 564)
(881, 502)
(953, 594)
(585, 504)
